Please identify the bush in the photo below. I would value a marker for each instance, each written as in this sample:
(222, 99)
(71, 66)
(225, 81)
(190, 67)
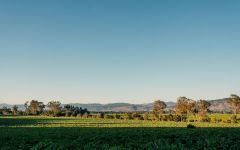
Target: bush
(74, 114)
(233, 119)
(190, 126)
(107, 116)
(116, 116)
(137, 116)
(225, 120)
(145, 116)
(127, 116)
(85, 115)
(68, 114)
(204, 118)
(177, 118)
(156, 116)
(213, 120)
(170, 117)
(100, 115)
(164, 118)
(94, 115)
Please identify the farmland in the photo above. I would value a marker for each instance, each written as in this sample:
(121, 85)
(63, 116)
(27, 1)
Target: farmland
(39, 132)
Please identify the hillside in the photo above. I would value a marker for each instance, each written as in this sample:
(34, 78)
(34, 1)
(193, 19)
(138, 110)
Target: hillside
(218, 105)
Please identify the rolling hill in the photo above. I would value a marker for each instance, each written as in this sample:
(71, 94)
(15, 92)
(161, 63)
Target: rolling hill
(218, 105)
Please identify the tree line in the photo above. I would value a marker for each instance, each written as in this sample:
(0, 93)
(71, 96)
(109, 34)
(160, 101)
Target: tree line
(53, 108)
(196, 108)
(185, 107)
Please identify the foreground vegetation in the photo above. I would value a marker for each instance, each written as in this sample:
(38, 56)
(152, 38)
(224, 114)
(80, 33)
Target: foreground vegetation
(38, 121)
(75, 133)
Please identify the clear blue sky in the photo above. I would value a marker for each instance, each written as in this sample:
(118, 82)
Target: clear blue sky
(107, 51)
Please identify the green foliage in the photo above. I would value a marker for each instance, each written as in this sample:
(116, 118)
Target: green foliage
(100, 115)
(117, 116)
(78, 133)
(127, 116)
(159, 106)
(177, 118)
(34, 107)
(234, 103)
(108, 116)
(233, 119)
(190, 126)
(204, 118)
(137, 116)
(47, 145)
(146, 116)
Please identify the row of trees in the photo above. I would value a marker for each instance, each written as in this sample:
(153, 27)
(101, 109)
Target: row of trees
(53, 108)
(185, 107)
(6, 111)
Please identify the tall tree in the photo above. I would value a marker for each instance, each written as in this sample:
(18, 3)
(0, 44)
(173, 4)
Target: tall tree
(35, 107)
(15, 110)
(185, 106)
(26, 108)
(158, 108)
(181, 105)
(234, 103)
(202, 108)
(54, 108)
(203, 105)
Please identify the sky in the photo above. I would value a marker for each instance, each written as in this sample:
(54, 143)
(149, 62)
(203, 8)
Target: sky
(134, 51)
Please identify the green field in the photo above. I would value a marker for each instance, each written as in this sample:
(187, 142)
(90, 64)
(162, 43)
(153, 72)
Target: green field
(76, 133)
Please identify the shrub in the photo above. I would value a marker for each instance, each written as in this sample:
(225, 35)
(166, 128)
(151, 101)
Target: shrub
(156, 116)
(136, 116)
(100, 115)
(127, 116)
(191, 120)
(190, 126)
(204, 118)
(145, 116)
(225, 120)
(177, 118)
(68, 114)
(170, 117)
(94, 115)
(85, 115)
(79, 115)
(164, 118)
(117, 116)
(74, 114)
(233, 119)
(107, 116)
(213, 120)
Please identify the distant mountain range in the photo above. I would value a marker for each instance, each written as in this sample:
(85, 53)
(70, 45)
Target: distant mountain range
(218, 105)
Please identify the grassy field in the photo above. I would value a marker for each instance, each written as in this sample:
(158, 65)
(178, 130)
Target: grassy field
(76, 133)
